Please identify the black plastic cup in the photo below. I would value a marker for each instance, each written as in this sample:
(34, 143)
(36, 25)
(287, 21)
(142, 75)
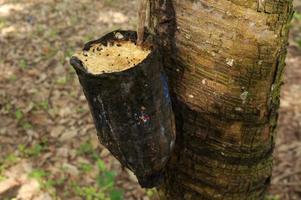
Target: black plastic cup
(132, 111)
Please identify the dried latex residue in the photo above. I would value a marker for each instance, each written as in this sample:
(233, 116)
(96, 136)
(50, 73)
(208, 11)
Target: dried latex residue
(115, 57)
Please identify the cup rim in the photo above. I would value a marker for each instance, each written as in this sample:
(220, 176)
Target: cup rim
(128, 36)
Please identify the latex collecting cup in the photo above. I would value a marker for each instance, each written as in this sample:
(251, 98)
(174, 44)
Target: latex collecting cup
(127, 92)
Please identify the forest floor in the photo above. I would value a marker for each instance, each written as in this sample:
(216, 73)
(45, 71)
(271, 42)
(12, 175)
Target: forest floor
(48, 145)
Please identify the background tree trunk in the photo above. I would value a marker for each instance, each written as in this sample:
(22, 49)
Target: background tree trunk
(225, 61)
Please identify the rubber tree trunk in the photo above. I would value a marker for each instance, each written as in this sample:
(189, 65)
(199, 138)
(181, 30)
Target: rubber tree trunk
(225, 62)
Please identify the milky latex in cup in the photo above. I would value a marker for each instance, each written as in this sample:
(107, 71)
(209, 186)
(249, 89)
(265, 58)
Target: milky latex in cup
(114, 57)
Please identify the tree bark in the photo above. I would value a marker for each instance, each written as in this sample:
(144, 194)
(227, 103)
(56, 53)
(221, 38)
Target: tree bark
(225, 61)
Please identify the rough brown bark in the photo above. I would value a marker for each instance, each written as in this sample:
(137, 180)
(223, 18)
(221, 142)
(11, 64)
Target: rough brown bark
(225, 61)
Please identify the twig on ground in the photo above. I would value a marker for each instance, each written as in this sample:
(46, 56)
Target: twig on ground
(283, 176)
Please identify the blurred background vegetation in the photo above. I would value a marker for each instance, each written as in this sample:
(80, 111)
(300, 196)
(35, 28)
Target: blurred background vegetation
(48, 146)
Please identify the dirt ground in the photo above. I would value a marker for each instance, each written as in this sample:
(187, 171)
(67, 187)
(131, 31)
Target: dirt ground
(48, 145)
